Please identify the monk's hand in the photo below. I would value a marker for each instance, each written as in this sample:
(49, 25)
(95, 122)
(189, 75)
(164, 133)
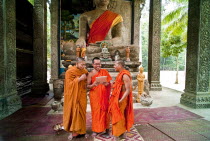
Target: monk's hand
(105, 83)
(95, 84)
(120, 100)
(83, 77)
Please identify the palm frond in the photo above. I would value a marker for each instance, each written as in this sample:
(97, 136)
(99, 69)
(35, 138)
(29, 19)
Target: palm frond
(180, 1)
(173, 15)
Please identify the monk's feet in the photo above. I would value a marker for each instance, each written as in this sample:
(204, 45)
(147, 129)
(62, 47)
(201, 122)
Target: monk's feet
(115, 138)
(94, 134)
(72, 135)
(123, 136)
(106, 134)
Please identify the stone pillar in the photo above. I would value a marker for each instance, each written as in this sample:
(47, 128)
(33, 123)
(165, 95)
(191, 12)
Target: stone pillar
(197, 84)
(54, 39)
(154, 45)
(9, 100)
(40, 85)
(137, 7)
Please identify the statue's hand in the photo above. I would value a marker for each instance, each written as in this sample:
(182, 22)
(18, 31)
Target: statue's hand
(81, 42)
(108, 41)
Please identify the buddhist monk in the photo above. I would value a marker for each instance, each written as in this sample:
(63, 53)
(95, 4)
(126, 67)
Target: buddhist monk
(99, 97)
(121, 103)
(75, 99)
(99, 25)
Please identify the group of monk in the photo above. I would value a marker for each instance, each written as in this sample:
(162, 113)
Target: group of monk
(110, 102)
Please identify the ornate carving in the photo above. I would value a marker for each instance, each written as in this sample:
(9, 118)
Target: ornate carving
(196, 101)
(197, 71)
(9, 100)
(54, 39)
(154, 45)
(2, 46)
(40, 85)
(204, 58)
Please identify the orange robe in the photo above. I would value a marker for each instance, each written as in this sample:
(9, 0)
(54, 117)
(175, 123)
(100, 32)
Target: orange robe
(101, 26)
(75, 101)
(122, 114)
(99, 101)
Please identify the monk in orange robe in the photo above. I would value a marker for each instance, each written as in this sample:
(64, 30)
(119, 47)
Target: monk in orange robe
(121, 102)
(75, 99)
(99, 97)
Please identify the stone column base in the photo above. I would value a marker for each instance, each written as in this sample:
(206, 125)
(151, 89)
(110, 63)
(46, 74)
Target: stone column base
(196, 100)
(9, 105)
(40, 88)
(155, 86)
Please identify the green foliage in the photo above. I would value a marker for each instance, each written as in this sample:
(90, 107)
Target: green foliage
(174, 36)
(31, 1)
(172, 46)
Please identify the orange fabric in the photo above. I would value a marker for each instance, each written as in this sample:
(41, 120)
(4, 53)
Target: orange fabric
(101, 26)
(116, 109)
(99, 101)
(75, 101)
(120, 127)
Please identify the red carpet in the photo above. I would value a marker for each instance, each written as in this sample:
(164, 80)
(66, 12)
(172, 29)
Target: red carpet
(35, 121)
(162, 114)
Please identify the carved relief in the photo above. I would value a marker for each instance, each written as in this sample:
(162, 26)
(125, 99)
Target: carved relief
(54, 39)
(39, 41)
(204, 58)
(154, 45)
(1, 50)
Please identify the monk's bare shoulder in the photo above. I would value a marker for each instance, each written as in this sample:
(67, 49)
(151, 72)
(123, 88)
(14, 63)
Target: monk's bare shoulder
(126, 78)
(87, 14)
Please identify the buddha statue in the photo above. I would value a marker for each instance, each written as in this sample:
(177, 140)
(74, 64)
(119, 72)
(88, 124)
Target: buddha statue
(101, 25)
(140, 78)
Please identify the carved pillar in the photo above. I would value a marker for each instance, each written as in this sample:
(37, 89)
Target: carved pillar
(54, 39)
(40, 85)
(154, 45)
(137, 7)
(197, 86)
(9, 100)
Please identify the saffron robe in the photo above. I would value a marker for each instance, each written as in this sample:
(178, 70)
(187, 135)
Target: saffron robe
(99, 101)
(122, 114)
(101, 26)
(75, 101)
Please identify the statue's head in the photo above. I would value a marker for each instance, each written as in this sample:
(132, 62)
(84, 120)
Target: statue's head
(99, 3)
(141, 69)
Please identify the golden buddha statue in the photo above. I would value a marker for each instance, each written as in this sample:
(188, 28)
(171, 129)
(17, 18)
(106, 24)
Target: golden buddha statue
(140, 78)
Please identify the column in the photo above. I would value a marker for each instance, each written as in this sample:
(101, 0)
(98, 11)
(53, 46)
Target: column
(154, 45)
(54, 39)
(137, 8)
(197, 83)
(9, 100)
(40, 85)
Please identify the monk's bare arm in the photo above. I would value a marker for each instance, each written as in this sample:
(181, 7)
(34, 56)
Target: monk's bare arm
(89, 80)
(89, 85)
(127, 83)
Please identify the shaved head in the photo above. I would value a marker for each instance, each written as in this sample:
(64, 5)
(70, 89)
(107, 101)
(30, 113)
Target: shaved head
(79, 59)
(121, 62)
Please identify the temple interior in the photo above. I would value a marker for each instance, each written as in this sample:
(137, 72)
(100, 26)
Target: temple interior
(38, 42)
